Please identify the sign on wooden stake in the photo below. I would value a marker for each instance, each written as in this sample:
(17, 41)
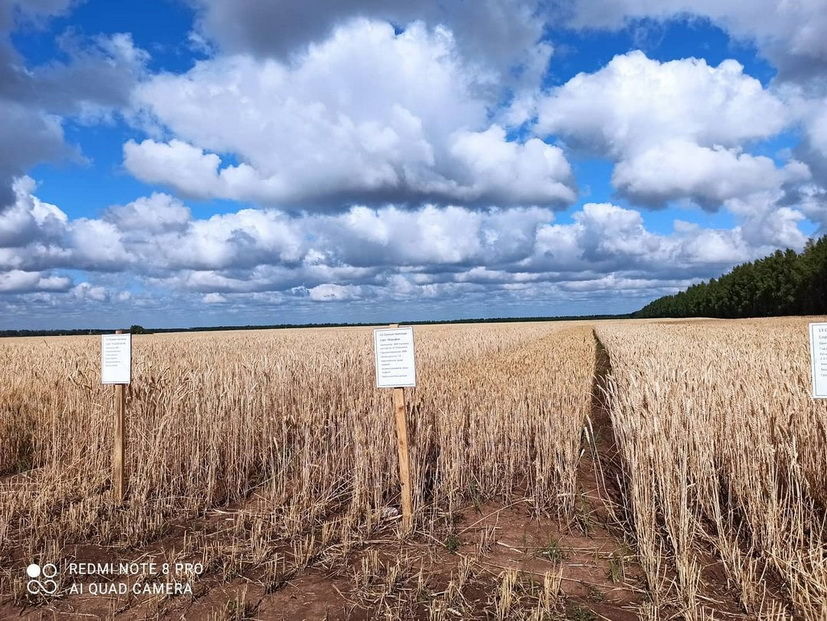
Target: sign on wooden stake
(394, 351)
(116, 358)
(818, 359)
(396, 368)
(116, 368)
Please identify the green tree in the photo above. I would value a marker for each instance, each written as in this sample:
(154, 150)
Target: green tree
(784, 283)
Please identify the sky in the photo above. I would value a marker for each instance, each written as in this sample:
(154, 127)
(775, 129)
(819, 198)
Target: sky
(177, 163)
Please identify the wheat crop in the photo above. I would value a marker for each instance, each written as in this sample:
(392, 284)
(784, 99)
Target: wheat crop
(287, 428)
(724, 462)
(274, 454)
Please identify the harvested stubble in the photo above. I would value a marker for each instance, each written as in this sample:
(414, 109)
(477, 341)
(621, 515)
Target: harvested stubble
(288, 428)
(724, 458)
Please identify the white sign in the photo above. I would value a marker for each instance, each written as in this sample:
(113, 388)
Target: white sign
(116, 358)
(394, 351)
(818, 355)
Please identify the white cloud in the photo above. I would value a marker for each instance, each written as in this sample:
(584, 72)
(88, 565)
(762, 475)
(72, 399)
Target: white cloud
(710, 176)
(790, 33)
(18, 281)
(766, 225)
(634, 103)
(158, 213)
(28, 218)
(508, 172)
(428, 236)
(97, 245)
(88, 291)
(191, 171)
(605, 238)
(329, 292)
(675, 129)
(213, 298)
(354, 119)
(97, 78)
(502, 34)
(430, 255)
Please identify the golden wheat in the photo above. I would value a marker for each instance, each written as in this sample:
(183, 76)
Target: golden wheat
(722, 473)
(288, 427)
(724, 460)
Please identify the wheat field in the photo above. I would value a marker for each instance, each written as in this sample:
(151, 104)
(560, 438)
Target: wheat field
(275, 456)
(724, 460)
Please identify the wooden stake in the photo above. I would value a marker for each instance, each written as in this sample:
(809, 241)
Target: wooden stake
(404, 457)
(119, 448)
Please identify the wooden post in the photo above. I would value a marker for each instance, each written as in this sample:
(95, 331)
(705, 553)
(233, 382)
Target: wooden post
(119, 447)
(404, 457)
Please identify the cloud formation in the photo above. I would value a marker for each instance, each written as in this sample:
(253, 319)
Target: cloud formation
(367, 115)
(411, 153)
(676, 129)
(34, 101)
(501, 34)
(381, 255)
(790, 34)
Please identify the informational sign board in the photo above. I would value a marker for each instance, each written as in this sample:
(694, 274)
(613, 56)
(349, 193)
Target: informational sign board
(818, 354)
(116, 358)
(394, 351)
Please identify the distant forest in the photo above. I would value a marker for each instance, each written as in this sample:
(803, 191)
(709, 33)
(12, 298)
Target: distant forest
(784, 283)
(136, 329)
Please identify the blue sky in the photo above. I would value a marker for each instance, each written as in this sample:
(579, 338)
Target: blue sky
(199, 162)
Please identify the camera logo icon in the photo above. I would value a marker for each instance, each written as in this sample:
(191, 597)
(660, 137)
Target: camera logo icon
(35, 585)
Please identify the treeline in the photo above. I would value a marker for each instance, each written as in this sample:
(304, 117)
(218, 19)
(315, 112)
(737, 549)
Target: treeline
(784, 283)
(136, 329)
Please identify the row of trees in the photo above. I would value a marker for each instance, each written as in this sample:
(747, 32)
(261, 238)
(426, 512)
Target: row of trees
(784, 283)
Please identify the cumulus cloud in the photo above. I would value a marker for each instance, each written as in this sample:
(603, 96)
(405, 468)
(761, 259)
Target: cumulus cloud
(790, 34)
(500, 33)
(608, 239)
(508, 172)
(635, 102)
(353, 119)
(157, 213)
(710, 176)
(329, 292)
(388, 253)
(29, 219)
(385, 152)
(213, 298)
(809, 105)
(34, 101)
(675, 129)
(88, 291)
(37, 136)
(18, 281)
(764, 224)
